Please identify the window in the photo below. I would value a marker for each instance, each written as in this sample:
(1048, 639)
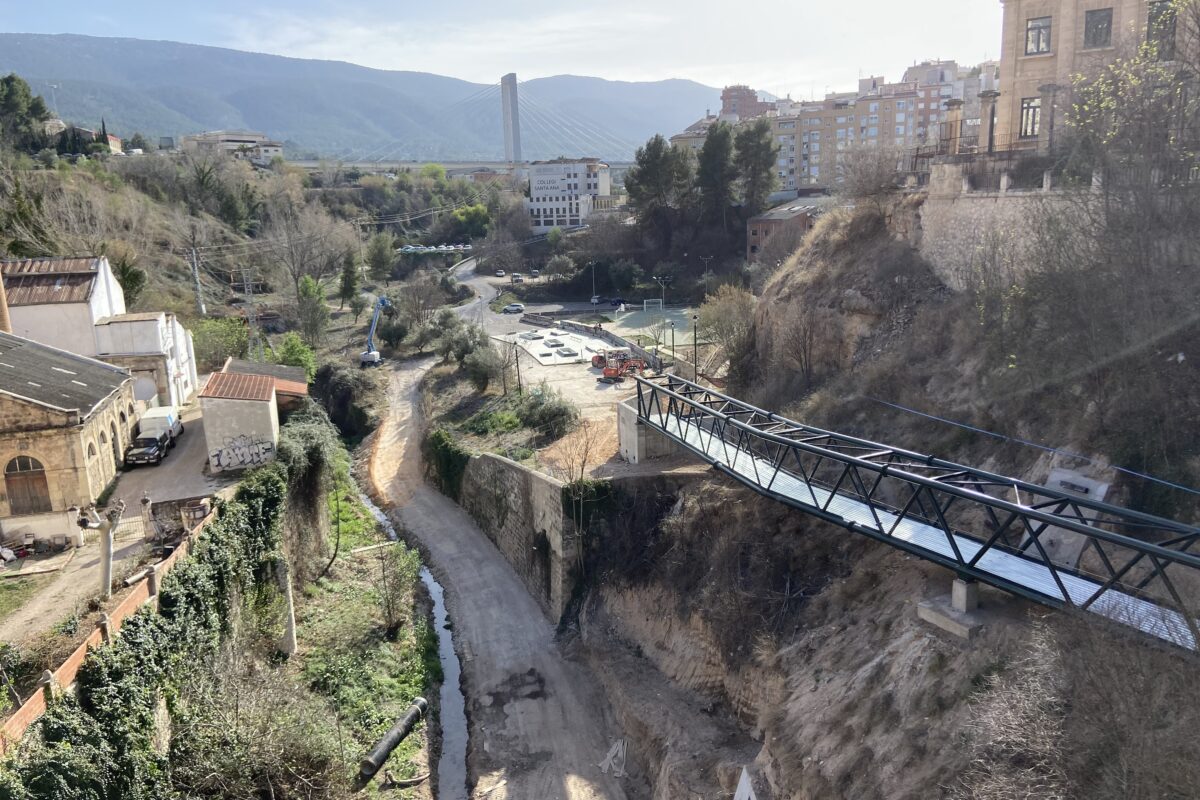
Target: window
(25, 482)
(1031, 117)
(1097, 28)
(1037, 36)
(873, 108)
(1160, 29)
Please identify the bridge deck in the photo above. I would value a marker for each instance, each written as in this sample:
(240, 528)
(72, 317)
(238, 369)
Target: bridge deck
(1115, 605)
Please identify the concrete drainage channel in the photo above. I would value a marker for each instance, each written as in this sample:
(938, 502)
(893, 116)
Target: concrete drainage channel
(452, 765)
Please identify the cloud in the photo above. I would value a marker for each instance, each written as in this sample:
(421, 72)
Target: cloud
(780, 45)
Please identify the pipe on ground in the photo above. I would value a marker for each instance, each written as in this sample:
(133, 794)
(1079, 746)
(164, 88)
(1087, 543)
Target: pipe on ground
(384, 747)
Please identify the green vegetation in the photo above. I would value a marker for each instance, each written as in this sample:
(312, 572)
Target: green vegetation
(448, 459)
(243, 722)
(215, 340)
(15, 592)
(502, 300)
(293, 352)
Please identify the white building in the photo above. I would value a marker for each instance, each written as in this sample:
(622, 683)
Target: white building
(241, 420)
(564, 192)
(77, 305)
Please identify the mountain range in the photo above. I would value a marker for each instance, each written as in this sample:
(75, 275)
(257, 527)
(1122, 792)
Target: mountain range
(337, 109)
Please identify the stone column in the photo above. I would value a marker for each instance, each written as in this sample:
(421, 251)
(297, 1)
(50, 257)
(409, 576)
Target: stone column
(987, 120)
(1045, 140)
(954, 124)
(147, 516)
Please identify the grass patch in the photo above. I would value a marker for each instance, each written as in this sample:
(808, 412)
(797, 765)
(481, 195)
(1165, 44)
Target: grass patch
(502, 300)
(366, 643)
(16, 592)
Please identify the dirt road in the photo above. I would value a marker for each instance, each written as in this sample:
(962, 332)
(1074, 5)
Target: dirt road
(539, 725)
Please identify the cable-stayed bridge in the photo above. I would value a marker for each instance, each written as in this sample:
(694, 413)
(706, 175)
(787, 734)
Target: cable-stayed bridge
(496, 118)
(1133, 568)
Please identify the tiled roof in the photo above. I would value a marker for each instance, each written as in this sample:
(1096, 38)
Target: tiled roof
(235, 386)
(36, 281)
(281, 371)
(137, 316)
(291, 387)
(55, 378)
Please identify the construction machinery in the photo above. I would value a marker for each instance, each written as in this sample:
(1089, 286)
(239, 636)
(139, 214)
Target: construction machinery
(617, 363)
(607, 357)
(371, 357)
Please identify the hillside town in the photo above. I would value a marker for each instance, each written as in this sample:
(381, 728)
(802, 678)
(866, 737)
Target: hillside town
(839, 447)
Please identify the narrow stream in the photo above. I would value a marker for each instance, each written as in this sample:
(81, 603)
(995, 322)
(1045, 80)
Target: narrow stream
(452, 766)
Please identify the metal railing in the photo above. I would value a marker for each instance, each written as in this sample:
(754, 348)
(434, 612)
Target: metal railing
(1052, 547)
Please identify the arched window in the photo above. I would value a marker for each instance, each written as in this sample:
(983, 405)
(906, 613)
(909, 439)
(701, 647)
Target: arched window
(92, 450)
(25, 482)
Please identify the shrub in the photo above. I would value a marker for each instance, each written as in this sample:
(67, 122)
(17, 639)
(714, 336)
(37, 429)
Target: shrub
(215, 340)
(487, 422)
(483, 366)
(293, 352)
(547, 412)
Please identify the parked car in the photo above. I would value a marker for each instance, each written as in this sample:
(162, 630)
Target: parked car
(534, 273)
(596, 299)
(499, 273)
(164, 419)
(517, 278)
(514, 308)
(617, 301)
(147, 449)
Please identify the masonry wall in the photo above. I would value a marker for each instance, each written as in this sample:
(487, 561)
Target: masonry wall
(521, 511)
(239, 434)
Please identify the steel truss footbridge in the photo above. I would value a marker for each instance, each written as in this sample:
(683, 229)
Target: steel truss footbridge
(1133, 568)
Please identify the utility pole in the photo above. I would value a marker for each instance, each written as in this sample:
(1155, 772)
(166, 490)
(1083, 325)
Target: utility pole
(196, 284)
(706, 259)
(517, 361)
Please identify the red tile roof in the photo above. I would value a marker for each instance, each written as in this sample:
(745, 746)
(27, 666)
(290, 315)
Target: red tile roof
(291, 387)
(35, 281)
(235, 386)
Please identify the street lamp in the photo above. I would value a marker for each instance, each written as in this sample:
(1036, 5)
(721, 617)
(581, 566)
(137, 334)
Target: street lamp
(695, 348)
(706, 259)
(672, 343)
(663, 280)
(592, 264)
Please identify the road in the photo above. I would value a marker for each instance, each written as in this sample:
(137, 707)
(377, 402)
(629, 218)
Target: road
(486, 287)
(539, 724)
(181, 475)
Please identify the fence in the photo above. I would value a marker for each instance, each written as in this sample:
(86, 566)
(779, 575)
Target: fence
(64, 676)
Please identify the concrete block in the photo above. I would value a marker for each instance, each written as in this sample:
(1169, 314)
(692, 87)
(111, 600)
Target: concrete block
(964, 595)
(940, 613)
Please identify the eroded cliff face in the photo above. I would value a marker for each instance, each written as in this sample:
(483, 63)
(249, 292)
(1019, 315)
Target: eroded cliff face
(734, 632)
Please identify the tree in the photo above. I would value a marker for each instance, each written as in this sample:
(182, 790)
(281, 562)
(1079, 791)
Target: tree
(304, 239)
(312, 310)
(417, 299)
(381, 254)
(727, 318)
(21, 115)
(625, 274)
(716, 174)
(754, 158)
(468, 222)
(658, 184)
(483, 366)
(554, 238)
(293, 352)
(348, 284)
(358, 304)
(560, 266)
(868, 173)
(138, 142)
(131, 278)
(216, 339)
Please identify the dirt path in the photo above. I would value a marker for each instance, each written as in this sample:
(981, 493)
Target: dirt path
(539, 725)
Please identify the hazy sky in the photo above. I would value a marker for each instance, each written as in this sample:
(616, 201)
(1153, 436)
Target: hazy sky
(781, 46)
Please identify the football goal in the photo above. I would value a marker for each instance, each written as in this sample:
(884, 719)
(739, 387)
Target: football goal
(652, 305)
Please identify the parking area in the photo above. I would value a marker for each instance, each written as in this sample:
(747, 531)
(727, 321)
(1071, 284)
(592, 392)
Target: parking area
(181, 475)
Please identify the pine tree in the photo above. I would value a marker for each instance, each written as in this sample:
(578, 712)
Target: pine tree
(348, 286)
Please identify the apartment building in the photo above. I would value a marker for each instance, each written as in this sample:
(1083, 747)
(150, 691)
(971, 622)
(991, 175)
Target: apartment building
(741, 102)
(1048, 42)
(692, 137)
(564, 192)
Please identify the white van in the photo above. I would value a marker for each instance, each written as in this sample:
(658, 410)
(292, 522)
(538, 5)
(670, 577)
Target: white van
(161, 420)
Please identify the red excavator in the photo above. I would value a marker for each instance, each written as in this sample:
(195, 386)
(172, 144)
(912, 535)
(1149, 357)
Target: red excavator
(617, 363)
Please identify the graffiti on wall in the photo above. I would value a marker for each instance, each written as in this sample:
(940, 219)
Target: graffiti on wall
(240, 452)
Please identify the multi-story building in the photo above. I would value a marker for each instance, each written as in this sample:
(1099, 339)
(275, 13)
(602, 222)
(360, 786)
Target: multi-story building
(229, 142)
(693, 136)
(1046, 43)
(741, 102)
(564, 192)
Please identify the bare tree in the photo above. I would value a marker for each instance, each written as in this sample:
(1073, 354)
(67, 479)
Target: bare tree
(305, 241)
(867, 173)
